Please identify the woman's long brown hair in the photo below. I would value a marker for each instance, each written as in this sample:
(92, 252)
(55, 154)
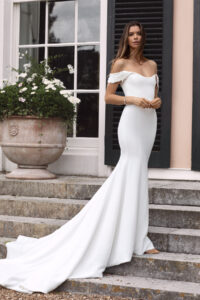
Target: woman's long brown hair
(124, 49)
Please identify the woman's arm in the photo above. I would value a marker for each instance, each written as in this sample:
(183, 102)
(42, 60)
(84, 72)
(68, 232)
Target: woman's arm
(156, 102)
(110, 96)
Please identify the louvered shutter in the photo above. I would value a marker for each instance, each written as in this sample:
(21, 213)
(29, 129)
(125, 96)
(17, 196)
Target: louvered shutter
(156, 17)
(196, 90)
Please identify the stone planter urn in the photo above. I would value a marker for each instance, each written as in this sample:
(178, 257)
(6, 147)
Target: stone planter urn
(33, 143)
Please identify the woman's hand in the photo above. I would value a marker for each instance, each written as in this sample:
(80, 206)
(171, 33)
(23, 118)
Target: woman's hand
(156, 103)
(139, 101)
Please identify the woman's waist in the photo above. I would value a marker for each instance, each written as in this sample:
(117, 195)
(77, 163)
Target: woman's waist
(134, 114)
(140, 95)
(139, 108)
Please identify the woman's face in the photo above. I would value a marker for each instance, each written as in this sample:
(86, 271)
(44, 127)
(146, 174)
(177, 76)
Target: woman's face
(134, 37)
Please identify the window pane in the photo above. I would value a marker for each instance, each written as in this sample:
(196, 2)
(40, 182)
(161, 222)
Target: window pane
(70, 130)
(87, 115)
(88, 67)
(67, 57)
(32, 23)
(61, 21)
(88, 20)
(36, 53)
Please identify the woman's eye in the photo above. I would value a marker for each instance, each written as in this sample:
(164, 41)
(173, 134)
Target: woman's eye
(137, 33)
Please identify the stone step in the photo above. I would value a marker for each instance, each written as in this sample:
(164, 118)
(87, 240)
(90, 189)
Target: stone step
(169, 266)
(66, 187)
(172, 192)
(53, 208)
(64, 209)
(175, 239)
(12, 226)
(166, 239)
(133, 287)
(175, 216)
(164, 265)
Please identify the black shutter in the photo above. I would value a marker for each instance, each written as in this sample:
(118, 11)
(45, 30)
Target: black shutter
(196, 90)
(156, 17)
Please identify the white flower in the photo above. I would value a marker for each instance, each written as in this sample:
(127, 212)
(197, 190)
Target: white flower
(32, 93)
(34, 88)
(34, 75)
(49, 70)
(66, 96)
(27, 66)
(50, 86)
(74, 100)
(2, 92)
(29, 80)
(23, 75)
(22, 99)
(20, 84)
(65, 93)
(46, 81)
(23, 90)
(58, 82)
(70, 68)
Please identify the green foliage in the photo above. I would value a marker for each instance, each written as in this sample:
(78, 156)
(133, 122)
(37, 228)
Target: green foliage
(37, 92)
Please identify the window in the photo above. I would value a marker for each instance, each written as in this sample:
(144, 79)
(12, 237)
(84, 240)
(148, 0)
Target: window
(70, 28)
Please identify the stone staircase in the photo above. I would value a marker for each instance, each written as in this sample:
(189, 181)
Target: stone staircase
(37, 208)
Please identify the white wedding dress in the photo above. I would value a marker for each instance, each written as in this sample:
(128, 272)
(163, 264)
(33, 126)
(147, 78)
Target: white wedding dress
(112, 226)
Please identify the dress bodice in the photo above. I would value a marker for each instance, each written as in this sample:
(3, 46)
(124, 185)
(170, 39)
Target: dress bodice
(135, 84)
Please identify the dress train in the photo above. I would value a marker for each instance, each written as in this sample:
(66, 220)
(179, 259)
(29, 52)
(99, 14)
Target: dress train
(111, 227)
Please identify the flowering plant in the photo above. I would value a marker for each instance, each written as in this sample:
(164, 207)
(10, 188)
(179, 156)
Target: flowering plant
(37, 92)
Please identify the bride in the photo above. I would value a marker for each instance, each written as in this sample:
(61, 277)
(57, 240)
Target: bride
(113, 225)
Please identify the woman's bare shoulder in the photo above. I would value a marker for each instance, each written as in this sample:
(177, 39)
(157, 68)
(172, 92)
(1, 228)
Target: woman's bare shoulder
(118, 65)
(152, 63)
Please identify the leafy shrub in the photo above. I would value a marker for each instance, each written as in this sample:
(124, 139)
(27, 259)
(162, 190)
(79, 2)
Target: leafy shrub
(37, 92)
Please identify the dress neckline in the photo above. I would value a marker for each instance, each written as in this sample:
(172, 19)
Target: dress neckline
(135, 73)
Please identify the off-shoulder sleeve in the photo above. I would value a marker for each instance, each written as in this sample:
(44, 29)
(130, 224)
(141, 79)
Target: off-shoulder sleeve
(118, 77)
(157, 81)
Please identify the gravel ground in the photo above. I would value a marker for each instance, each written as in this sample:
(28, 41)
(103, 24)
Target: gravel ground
(6, 294)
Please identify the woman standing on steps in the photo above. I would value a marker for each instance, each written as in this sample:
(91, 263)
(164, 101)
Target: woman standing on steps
(130, 61)
(113, 225)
